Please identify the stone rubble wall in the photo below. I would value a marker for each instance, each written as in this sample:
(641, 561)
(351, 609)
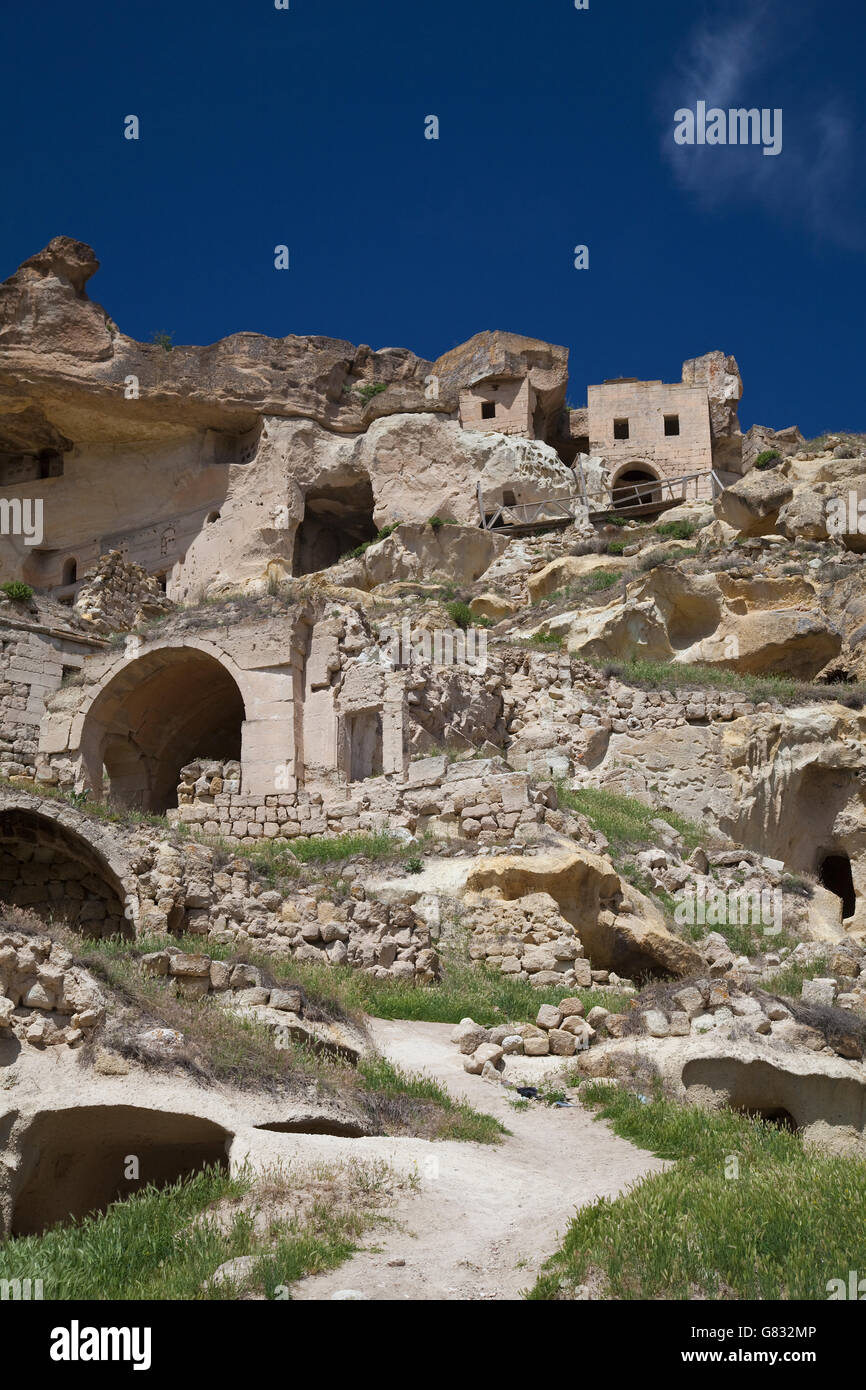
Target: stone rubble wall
(560, 712)
(32, 663)
(118, 595)
(45, 998)
(529, 939)
(182, 890)
(477, 800)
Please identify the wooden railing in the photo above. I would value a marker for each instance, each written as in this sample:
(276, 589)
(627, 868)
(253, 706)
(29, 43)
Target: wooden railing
(553, 511)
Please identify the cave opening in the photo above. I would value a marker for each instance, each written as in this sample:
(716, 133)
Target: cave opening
(159, 712)
(80, 1160)
(337, 519)
(835, 875)
(54, 873)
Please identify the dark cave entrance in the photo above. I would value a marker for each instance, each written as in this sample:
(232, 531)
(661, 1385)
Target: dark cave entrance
(78, 1160)
(835, 874)
(337, 519)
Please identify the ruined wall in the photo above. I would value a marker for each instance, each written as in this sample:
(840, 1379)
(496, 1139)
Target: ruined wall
(479, 800)
(33, 661)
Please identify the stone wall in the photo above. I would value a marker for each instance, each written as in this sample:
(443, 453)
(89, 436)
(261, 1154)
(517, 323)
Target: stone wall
(183, 889)
(478, 799)
(644, 404)
(34, 658)
(44, 997)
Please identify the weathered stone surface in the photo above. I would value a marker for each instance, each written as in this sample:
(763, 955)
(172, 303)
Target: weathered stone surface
(752, 505)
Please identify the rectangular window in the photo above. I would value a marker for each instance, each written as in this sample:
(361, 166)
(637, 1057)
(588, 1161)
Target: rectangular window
(672, 424)
(620, 429)
(488, 410)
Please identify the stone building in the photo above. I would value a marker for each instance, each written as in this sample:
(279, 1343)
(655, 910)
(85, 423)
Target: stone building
(647, 431)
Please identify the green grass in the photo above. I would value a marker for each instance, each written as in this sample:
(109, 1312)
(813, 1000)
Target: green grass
(279, 859)
(791, 1220)
(101, 810)
(789, 978)
(598, 580)
(454, 1119)
(467, 989)
(677, 530)
(624, 820)
(663, 675)
(166, 1243)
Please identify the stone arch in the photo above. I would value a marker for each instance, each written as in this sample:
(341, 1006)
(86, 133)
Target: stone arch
(59, 865)
(155, 712)
(635, 473)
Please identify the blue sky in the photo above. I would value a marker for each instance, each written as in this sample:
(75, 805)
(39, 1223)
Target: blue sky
(306, 127)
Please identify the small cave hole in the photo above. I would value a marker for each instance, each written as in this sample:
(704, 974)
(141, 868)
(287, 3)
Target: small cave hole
(835, 874)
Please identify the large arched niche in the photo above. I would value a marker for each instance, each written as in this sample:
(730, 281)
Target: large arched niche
(156, 713)
(58, 875)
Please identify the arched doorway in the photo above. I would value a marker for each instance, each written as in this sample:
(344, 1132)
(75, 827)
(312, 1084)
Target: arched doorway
(636, 485)
(157, 713)
(58, 875)
(834, 872)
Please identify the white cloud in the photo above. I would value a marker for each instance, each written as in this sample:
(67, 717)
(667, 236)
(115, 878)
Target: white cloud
(742, 60)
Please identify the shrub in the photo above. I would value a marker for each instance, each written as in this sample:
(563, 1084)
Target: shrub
(436, 522)
(17, 591)
(677, 530)
(602, 579)
(767, 458)
(615, 547)
(371, 389)
(162, 340)
(459, 613)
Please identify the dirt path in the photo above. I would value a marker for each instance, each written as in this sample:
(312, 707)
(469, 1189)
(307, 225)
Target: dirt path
(485, 1217)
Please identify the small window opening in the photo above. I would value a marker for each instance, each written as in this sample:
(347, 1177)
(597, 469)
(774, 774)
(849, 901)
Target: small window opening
(672, 424)
(70, 572)
(620, 429)
(488, 410)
